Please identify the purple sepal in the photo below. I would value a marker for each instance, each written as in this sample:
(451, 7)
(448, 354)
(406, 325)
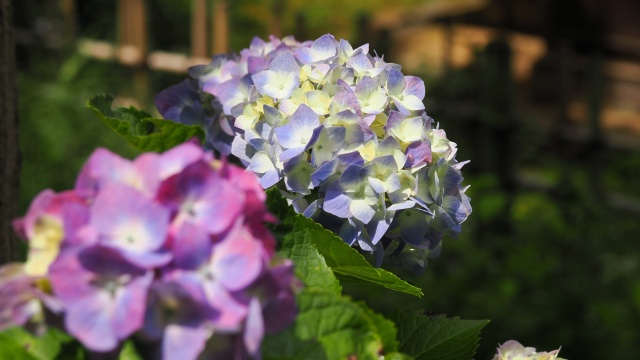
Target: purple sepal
(103, 295)
(177, 320)
(418, 153)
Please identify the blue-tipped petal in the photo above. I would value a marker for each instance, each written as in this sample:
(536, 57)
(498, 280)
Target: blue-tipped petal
(311, 210)
(349, 232)
(418, 153)
(353, 177)
(395, 82)
(336, 202)
(411, 226)
(456, 209)
(408, 204)
(361, 210)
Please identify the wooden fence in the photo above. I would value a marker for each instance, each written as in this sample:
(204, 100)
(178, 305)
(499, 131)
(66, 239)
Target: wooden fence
(209, 35)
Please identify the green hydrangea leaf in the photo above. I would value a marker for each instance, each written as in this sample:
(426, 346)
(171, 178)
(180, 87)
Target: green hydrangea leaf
(10, 349)
(17, 343)
(396, 356)
(437, 338)
(139, 128)
(385, 328)
(309, 264)
(345, 262)
(327, 327)
(278, 206)
(129, 352)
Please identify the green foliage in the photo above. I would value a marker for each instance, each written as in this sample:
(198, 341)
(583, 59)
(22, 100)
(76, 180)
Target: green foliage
(330, 327)
(437, 338)
(17, 343)
(57, 133)
(310, 265)
(129, 352)
(140, 129)
(396, 356)
(10, 349)
(346, 262)
(384, 327)
(327, 327)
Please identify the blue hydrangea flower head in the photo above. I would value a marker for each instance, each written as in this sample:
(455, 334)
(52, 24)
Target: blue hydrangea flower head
(343, 134)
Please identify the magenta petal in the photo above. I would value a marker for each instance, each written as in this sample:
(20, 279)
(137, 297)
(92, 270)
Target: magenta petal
(47, 203)
(18, 296)
(237, 260)
(183, 342)
(146, 260)
(148, 167)
(219, 207)
(175, 160)
(104, 167)
(69, 279)
(247, 183)
(103, 295)
(171, 304)
(202, 197)
(75, 217)
(191, 246)
(227, 312)
(279, 302)
(130, 306)
(254, 328)
(89, 320)
(127, 219)
(231, 313)
(38, 207)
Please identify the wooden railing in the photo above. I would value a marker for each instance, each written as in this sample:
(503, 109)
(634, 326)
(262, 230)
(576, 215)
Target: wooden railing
(131, 49)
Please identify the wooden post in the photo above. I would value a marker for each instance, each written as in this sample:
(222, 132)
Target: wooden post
(199, 29)
(565, 59)
(9, 145)
(594, 97)
(68, 8)
(132, 43)
(275, 20)
(596, 148)
(447, 51)
(220, 26)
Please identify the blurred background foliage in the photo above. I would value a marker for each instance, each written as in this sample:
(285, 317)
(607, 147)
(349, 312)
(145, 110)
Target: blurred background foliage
(542, 97)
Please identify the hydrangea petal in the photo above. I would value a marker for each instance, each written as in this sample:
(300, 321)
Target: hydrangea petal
(361, 210)
(337, 202)
(236, 261)
(254, 328)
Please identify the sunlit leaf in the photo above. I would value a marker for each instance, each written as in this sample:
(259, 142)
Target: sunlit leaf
(437, 338)
(327, 327)
(346, 262)
(139, 128)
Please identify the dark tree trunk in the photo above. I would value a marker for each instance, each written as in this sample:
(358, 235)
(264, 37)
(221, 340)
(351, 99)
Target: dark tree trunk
(9, 146)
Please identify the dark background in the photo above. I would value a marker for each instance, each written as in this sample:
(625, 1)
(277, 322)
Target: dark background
(542, 96)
